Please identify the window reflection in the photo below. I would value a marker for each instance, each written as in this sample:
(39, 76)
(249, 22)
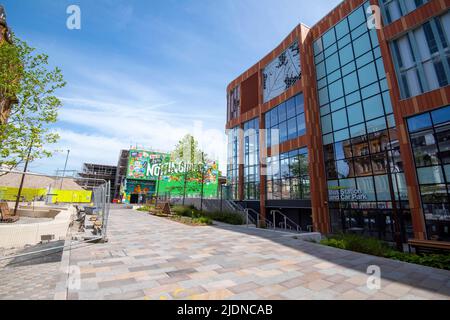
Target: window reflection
(288, 178)
(288, 118)
(430, 146)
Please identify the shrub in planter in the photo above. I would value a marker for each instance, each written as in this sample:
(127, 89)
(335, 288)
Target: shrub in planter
(203, 220)
(379, 248)
(357, 243)
(145, 208)
(182, 211)
(441, 261)
(334, 243)
(225, 217)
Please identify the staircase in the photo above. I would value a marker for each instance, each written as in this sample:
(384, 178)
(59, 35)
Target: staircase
(211, 205)
(275, 220)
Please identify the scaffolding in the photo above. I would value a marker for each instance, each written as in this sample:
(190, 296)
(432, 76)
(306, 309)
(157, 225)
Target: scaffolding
(121, 173)
(92, 174)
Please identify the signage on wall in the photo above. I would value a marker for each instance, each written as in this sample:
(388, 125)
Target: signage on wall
(349, 194)
(143, 165)
(150, 171)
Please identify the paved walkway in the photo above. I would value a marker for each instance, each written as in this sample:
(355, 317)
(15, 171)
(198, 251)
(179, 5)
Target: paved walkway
(31, 277)
(153, 258)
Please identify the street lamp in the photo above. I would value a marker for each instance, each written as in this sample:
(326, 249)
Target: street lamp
(65, 167)
(203, 182)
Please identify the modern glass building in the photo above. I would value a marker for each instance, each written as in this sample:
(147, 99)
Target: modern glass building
(344, 126)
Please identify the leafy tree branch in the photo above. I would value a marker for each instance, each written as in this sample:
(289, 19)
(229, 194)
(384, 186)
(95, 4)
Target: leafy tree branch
(28, 85)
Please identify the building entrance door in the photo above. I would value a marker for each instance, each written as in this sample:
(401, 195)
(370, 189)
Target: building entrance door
(305, 219)
(134, 199)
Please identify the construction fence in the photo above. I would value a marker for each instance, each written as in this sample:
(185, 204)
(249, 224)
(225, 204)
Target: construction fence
(41, 212)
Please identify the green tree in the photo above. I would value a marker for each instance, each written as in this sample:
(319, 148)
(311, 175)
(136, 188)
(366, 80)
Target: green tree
(27, 80)
(188, 151)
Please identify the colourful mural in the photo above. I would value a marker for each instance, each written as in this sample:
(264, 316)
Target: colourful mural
(175, 177)
(140, 164)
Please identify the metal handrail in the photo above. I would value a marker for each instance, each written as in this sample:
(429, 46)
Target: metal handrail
(249, 218)
(285, 220)
(258, 217)
(230, 203)
(235, 205)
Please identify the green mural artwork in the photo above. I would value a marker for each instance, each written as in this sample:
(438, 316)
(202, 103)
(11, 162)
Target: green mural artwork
(172, 178)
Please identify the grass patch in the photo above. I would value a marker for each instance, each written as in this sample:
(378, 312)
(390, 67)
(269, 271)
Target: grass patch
(203, 220)
(357, 243)
(185, 214)
(146, 208)
(183, 211)
(226, 217)
(380, 248)
(207, 218)
(439, 261)
(197, 222)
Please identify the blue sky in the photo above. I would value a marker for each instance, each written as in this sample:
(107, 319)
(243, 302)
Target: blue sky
(147, 72)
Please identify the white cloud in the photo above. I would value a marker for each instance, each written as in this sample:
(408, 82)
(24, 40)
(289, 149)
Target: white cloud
(159, 78)
(95, 126)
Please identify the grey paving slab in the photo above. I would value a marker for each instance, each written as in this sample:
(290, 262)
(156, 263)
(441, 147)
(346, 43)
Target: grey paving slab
(153, 258)
(30, 282)
(174, 261)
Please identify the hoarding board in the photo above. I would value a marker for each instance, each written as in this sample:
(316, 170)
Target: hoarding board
(140, 164)
(149, 166)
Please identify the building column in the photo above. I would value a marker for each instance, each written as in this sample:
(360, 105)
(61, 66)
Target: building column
(317, 175)
(262, 166)
(241, 162)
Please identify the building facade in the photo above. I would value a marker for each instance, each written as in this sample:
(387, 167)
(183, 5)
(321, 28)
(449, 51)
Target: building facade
(5, 36)
(94, 175)
(121, 173)
(151, 174)
(345, 125)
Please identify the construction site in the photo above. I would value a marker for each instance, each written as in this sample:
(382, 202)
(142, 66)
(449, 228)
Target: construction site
(43, 188)
(92, 175)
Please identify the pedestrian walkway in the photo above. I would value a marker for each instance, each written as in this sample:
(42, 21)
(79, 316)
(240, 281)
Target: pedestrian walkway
(153, 258)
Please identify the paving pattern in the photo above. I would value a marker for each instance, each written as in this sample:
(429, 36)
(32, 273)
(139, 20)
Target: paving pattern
(29, 281)
(153, 258)
(156, 259)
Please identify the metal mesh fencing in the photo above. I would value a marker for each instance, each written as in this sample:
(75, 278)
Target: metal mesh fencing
(41, 213)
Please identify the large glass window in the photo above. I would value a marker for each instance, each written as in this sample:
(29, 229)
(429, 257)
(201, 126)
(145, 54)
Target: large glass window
(233, 163)
(360, 140)
(286, 121)
(251, 160)
(430, 137)
(395, 9)
(355, 100)
(234, 103)
(287, 176)
(422, 57)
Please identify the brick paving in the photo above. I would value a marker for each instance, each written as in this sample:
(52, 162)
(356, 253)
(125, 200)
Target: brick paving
(29, 282)
(153, 258)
